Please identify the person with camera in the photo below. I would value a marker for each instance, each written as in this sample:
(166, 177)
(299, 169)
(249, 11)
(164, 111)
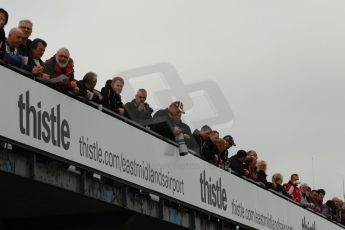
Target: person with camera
(171, 116)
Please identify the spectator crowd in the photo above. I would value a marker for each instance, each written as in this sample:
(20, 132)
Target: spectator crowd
(17, 49)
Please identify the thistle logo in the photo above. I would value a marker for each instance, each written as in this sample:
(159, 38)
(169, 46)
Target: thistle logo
(212, 193)
(307, 226)
(55, 130)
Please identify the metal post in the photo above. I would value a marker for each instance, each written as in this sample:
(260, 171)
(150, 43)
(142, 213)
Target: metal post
(343, 189)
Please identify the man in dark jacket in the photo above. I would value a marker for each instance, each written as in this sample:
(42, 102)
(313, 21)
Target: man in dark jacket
(111, 93)
(138, 110)
(330, 210)
(35, 64)
(170, 117)
(87, 86)
(229, 142)
(167, 124)
(3, 22)
(236, 163)
(210, 151)
(199, 138)
(185, 129)
(25, 48)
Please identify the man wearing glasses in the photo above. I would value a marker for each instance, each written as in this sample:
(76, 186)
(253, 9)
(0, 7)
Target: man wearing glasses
(25, 48)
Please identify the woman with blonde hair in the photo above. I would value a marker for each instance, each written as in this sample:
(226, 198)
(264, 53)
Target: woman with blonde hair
(261, 173)
(277, 181)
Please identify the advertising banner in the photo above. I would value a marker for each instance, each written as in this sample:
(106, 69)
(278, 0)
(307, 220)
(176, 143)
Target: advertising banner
(38, 116)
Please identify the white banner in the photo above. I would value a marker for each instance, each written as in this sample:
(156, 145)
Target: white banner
(38, 116)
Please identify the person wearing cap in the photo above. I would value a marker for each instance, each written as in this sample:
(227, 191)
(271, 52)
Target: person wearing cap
(236, 163)
(229, 142)
(171, 115)
(223, 144)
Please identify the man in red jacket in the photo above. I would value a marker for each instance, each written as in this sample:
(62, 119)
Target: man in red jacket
(61, 66)
(292, 188)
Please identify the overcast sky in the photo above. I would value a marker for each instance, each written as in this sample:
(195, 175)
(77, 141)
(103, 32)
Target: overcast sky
(278, 64)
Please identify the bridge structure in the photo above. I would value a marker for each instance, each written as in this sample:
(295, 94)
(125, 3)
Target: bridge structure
(66, 163)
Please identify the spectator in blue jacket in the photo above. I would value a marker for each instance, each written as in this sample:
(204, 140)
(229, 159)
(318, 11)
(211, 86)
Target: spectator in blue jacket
(9, 51)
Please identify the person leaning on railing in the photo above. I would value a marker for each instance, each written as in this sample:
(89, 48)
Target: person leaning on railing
(338, 206)
(292, 187)
(169, 115)
(329, 210)
(342, 221)
(167, 124)
(24, 48)
(185, 129)
(138, 109)
(250, 165)
(319, 200)
(111, 93)
(306, 200)
(223, 145)
(277, 181)
(211, 151)
(3, 22)
(35, 64)
(198, 139)
(87, 87)
(261, 174)
(236, 163)
(9, 49)
(61, 68)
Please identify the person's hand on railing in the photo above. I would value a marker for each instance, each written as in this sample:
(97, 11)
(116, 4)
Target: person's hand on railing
(186, 137)
(176, 131)
(45, 76)
(121, 111)
(74, 86)
(246, 172)
(37, 70)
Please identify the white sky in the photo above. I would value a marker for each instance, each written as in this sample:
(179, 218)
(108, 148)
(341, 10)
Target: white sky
(279, 64)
